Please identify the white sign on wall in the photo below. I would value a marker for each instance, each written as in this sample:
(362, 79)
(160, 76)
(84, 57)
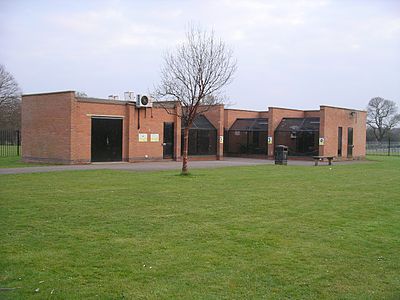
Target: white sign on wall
(154, 137)
(221, 139)
(270, 140)
(321, 141)
(142, 137)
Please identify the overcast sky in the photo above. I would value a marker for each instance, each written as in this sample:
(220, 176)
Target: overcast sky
(297, 54)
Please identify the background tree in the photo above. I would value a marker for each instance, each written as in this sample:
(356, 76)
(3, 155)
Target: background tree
(10, 101)
(382, 117)
(394, 135)
(193, 77)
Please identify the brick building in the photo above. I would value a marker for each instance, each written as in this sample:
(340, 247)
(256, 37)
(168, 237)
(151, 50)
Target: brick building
(63, 128)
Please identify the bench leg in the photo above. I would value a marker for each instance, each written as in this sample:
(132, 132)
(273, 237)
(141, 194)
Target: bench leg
(315, 162)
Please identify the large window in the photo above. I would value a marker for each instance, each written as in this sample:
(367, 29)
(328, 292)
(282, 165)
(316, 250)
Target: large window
(350, 145)
(247, 136)
(300, 135)
(340, 141)
(202, 137)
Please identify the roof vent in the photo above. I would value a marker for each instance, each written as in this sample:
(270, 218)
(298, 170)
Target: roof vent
(129, 96)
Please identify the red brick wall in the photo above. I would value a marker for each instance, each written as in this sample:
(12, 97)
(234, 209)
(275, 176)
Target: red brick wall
(312, 114)
(275, 117)
(82, 113)
(151, 122)
(56, 127)
(46, 124)
(232, 114)
(331, 119)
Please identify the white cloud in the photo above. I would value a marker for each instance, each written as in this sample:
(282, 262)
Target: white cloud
(115, 28)
(286, 49)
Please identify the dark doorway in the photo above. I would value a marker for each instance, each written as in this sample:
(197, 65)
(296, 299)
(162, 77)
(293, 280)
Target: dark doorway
(202, 137)
(350, 145)
(201, 142)
(106, 139)
(300, 135)
(168, 142)
(247, 136)
(340, 144)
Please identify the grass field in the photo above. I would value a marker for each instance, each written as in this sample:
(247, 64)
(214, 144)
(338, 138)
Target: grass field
(270, 232)
(15, 162)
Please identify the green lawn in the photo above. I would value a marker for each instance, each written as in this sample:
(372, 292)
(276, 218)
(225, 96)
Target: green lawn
(15, 162)
(269, 232)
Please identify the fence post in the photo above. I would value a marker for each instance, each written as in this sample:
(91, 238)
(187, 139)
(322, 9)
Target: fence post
(389, 146)
(18, 142)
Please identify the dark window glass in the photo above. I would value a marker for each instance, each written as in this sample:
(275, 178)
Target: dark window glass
(340, 137)
(300, 135)
(350, 145)
(202, 142)
(246, 142)
(302, 143)
(247, 136)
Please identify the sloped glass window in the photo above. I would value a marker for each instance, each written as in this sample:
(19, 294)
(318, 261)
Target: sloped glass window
(202, 137)
(300, 135)
(247, 136)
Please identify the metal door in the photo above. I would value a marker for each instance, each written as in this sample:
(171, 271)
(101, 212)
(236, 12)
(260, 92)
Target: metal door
(168, 141)
(106, 140)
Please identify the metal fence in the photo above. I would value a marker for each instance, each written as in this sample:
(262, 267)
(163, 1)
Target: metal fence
(10, 143)
(384, 148)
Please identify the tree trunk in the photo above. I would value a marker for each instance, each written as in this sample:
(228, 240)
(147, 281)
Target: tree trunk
(380, 136)
(185, 170)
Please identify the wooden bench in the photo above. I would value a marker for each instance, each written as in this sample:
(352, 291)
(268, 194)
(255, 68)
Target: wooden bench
(321, 158)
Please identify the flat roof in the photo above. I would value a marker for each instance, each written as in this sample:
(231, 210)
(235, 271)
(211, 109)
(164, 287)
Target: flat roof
(104, 101)
(345, 108)
(156, 104)
(298, 124)
(250, 124)
(249, 110)
(48, 93)
(115, 101)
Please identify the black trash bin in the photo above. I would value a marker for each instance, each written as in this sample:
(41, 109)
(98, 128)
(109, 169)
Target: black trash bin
(281, 154)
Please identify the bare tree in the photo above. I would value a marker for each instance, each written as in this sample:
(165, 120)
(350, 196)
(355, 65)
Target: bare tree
(382, 116)
(10, 100)
(9, 89)
(193, 78)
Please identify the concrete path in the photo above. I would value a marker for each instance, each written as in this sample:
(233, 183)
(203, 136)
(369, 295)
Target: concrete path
(158, 166)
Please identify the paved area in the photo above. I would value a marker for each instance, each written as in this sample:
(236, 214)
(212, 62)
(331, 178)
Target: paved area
(158, 166)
